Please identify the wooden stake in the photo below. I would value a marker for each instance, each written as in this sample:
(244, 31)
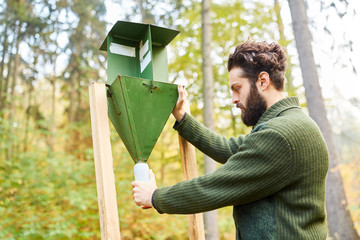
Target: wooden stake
(105, 179)
(189, 168)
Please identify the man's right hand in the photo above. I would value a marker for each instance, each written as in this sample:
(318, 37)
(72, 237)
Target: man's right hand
(182, 104)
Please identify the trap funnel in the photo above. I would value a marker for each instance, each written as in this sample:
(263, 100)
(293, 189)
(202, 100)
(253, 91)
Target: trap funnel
(139, 108)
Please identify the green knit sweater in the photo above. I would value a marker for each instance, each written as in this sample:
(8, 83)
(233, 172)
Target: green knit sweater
(274, 176)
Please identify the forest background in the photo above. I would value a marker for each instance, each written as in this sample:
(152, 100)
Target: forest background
(49, 54)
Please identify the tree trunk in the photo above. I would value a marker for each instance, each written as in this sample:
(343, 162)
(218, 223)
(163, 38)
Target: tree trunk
(52, 117)
(5, 45)
(3, 100)
(146, 16)
(210, 218)
(71, 114)
(15, 71)
(71, 111)
(27, 116)
(339, 219)
(11, 130)
(289, 86)
(52, 81)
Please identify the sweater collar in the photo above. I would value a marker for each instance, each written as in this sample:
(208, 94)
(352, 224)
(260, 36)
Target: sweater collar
(277, 108)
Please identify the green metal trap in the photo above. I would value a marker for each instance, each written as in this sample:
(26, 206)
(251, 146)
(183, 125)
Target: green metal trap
(139, 98)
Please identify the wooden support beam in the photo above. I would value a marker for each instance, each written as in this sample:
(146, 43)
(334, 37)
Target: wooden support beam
(189, 169)
(105, 179)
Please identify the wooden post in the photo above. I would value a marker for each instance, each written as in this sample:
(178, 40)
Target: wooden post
(105, 179)
(189, 168)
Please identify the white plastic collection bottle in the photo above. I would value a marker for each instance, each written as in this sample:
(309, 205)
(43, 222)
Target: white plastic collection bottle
(141, 172)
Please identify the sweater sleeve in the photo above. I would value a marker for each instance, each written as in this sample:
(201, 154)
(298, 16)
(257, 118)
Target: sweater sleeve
(262, 167)
(215, 146)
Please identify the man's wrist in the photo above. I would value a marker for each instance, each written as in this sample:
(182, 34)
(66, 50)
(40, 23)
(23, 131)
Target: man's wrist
(177, 123)
(179, 116)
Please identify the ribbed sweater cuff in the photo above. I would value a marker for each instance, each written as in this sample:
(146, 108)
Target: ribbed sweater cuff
(153, 201)
(177, 123)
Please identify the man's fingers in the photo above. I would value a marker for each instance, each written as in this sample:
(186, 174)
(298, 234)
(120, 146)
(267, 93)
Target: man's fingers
(134, 190)
(136, 196)
(142, 191)
(134, 184)
(182, 93)
(137, 201)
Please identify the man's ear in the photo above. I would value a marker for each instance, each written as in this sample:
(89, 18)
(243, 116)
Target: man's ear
(263, 81)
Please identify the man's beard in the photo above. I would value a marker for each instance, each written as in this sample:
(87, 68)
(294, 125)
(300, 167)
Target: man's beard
(255, 107)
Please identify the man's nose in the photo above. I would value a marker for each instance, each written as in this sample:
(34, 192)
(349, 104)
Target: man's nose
(235, 99)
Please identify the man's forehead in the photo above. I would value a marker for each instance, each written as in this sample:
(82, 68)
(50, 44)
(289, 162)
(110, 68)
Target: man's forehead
(240, 72)
(237, 75)
(237, 72)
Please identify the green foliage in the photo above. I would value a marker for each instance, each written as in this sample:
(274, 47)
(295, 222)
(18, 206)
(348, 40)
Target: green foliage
(48, 198)
(55, 197)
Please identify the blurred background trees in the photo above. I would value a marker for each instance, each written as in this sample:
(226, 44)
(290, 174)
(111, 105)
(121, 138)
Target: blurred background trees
(339, 219)
(48, 56)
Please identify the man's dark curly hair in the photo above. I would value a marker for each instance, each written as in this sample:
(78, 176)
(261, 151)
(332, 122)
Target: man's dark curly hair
(255, 57)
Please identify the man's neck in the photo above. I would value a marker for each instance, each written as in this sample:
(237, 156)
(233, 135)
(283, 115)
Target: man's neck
(274, 98)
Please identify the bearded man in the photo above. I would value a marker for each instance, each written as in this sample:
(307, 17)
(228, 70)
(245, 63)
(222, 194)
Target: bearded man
(274, 177)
